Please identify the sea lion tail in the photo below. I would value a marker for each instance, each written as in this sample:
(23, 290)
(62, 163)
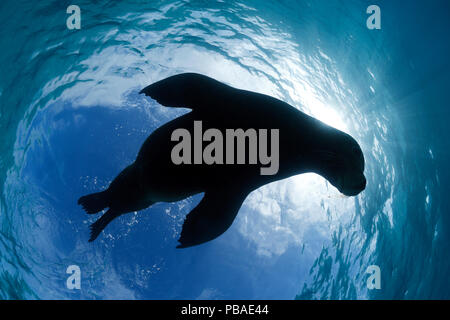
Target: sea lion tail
(95, 202)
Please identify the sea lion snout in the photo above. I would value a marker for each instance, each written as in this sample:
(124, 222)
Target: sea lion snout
(362, 184)
(354, 185)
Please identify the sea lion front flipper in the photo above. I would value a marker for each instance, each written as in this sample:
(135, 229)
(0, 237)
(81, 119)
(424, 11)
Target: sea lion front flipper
(211, 217)
(188, 90)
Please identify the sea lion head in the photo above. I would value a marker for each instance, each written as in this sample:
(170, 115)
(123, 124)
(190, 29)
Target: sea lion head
(340, 160)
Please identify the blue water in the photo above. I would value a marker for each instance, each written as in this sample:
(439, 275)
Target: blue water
(71, 118)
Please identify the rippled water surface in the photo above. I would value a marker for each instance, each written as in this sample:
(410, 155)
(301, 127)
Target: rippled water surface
(71, 118)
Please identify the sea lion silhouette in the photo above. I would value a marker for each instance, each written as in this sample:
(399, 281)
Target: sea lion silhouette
(305, 145)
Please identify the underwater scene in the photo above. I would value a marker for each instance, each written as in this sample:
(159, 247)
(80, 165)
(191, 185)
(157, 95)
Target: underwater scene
(72, 117)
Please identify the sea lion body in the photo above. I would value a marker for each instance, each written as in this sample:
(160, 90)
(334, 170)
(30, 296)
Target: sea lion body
(165, 180)
(305, 145)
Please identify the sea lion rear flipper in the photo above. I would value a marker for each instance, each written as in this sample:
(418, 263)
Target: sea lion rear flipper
(94, 202)
(101, 224)
(188, 90)
(211, 217)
